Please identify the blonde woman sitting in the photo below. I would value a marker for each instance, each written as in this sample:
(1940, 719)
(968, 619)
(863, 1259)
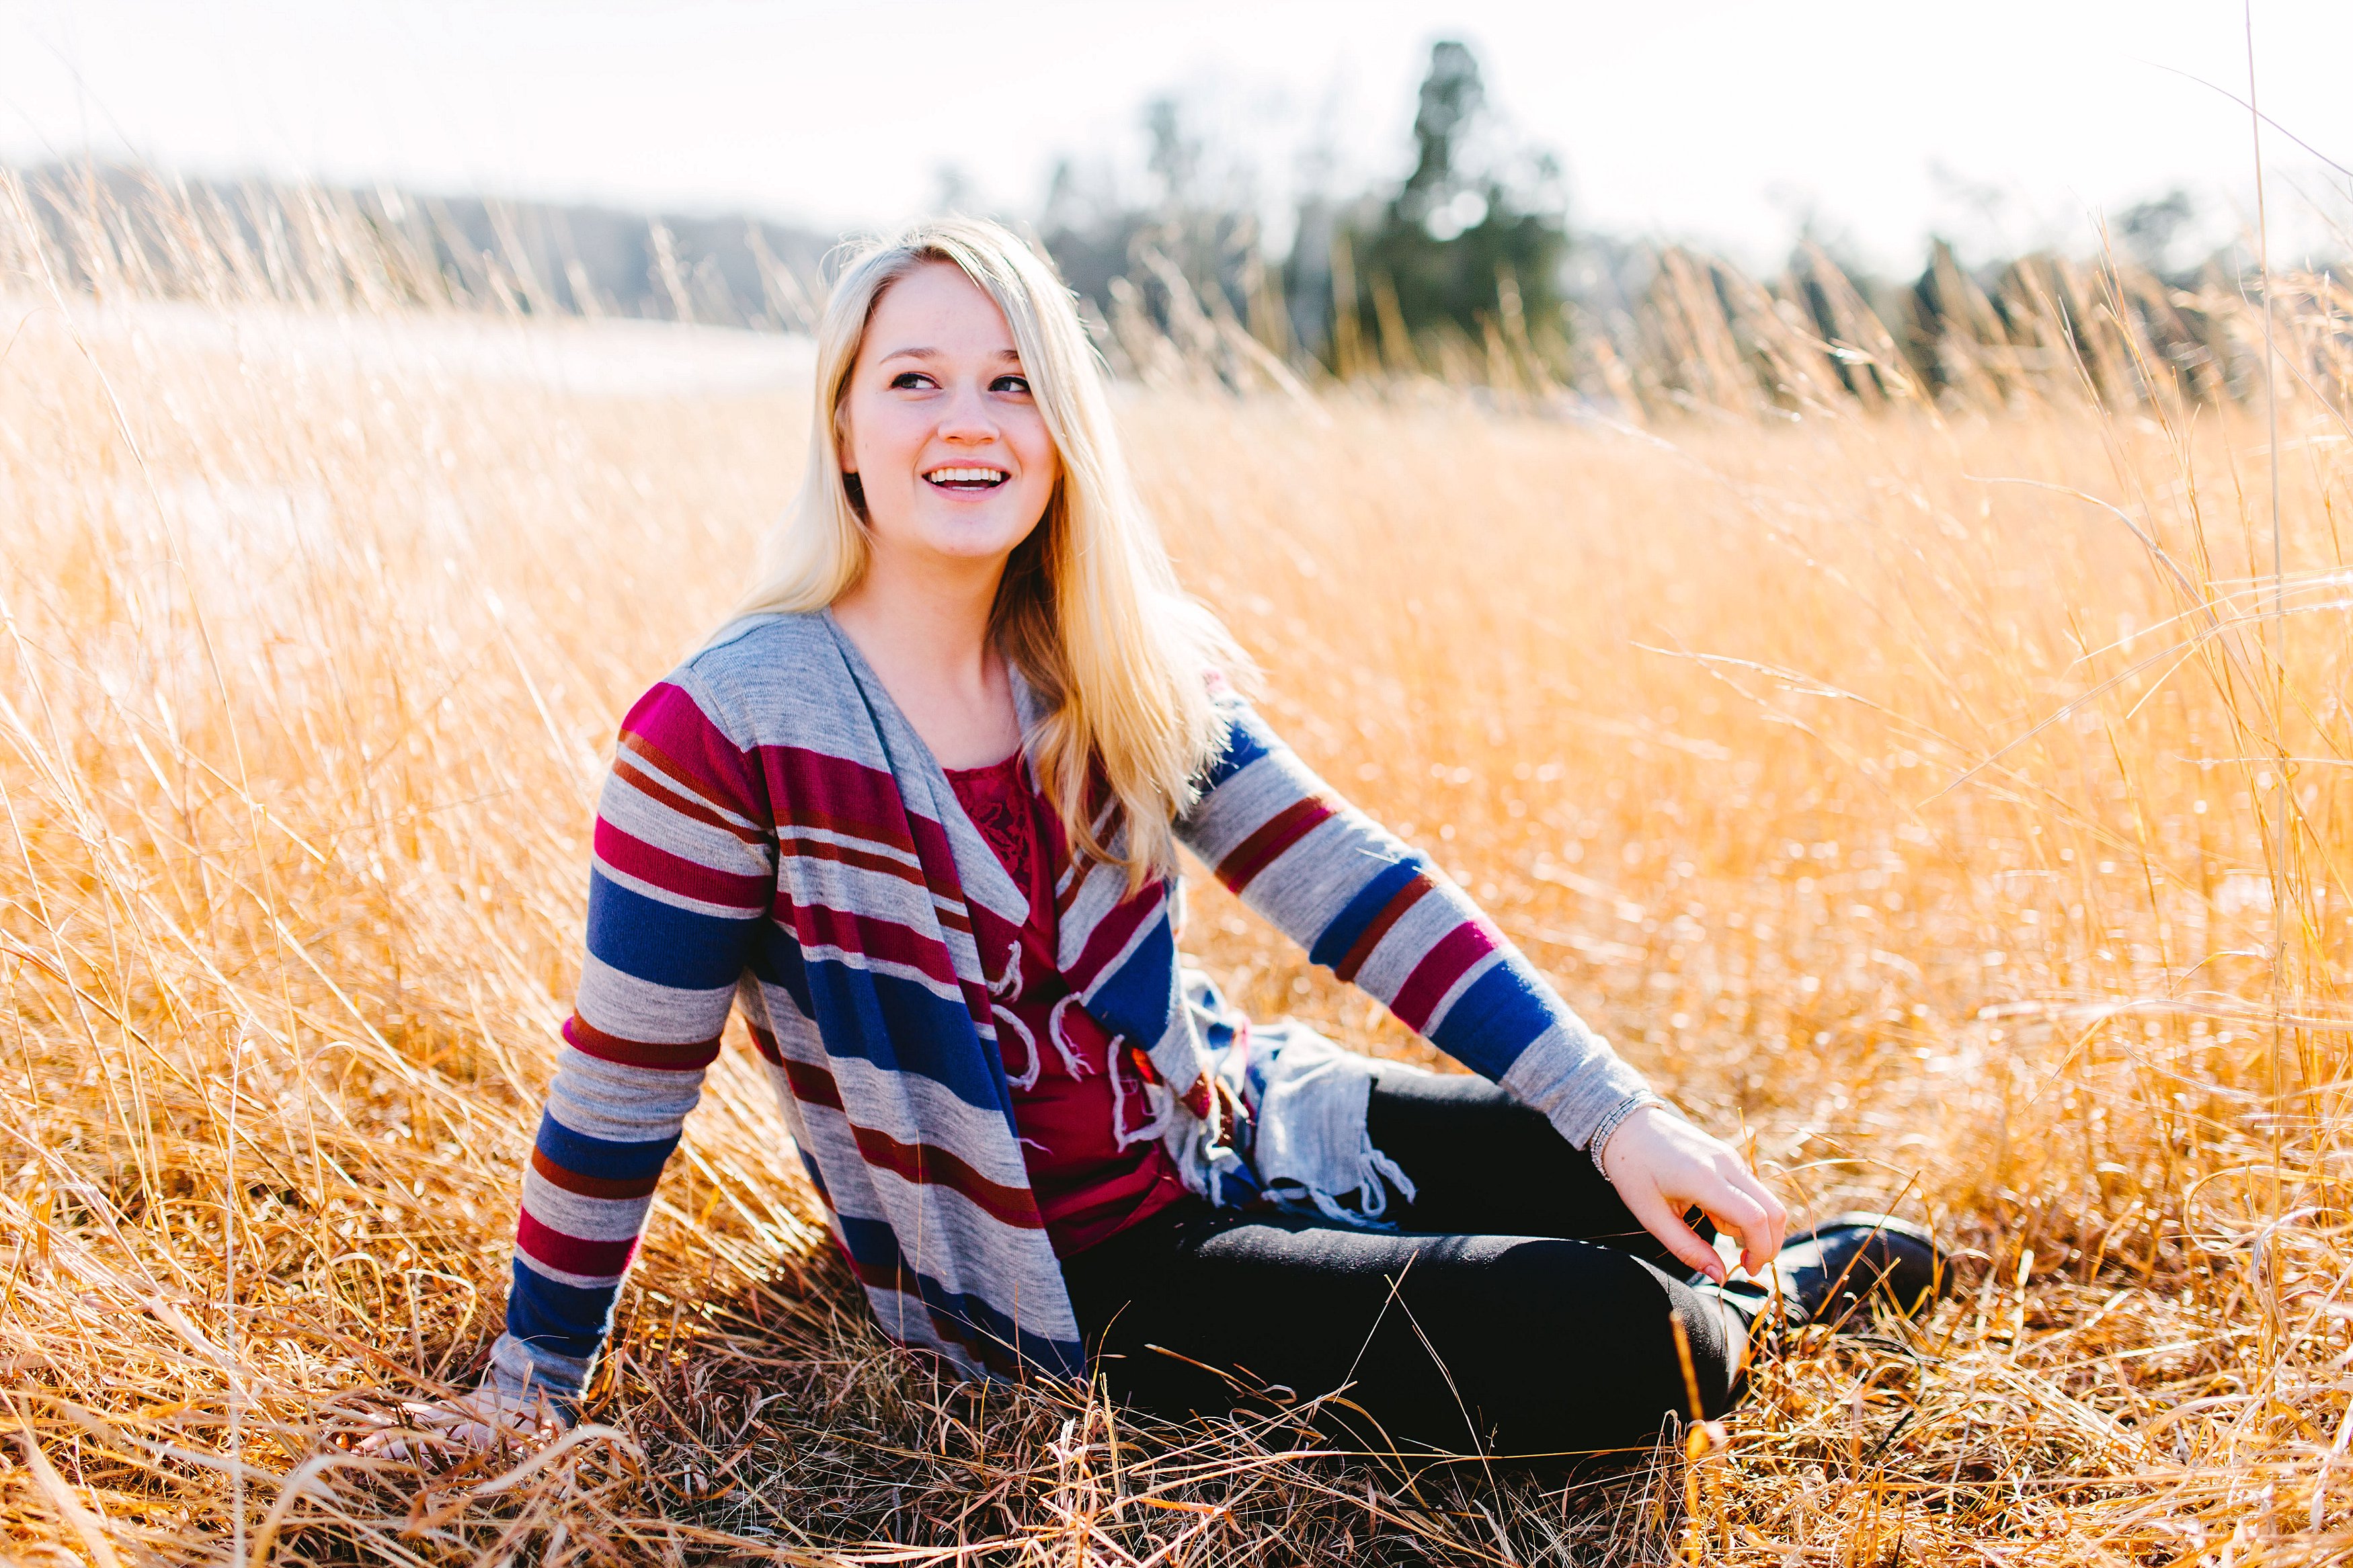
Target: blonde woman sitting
(916, 812)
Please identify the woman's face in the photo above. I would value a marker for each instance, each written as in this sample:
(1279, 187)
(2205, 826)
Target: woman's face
(939, 426)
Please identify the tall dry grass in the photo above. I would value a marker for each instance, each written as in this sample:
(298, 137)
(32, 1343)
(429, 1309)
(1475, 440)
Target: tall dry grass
(1944, 800)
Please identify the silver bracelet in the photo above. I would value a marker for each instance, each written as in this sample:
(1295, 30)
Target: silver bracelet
(1611, 1122)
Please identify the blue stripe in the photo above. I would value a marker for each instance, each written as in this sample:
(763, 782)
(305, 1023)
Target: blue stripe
(1137, 998)
(600, 1156)
(1499, 1016)
(1245, 743)
(1362, 911)
(652, 940)
(777, 960)
(558, 1317)
(903, 1025)
(875, 1248)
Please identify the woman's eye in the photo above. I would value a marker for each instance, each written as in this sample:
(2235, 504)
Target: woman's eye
(1010, 383)
(910, 380)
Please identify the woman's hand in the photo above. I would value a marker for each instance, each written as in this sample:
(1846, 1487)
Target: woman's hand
(483, 1419)
(1664, 1167)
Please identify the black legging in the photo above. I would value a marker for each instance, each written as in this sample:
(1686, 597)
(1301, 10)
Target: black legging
(1529, 1315)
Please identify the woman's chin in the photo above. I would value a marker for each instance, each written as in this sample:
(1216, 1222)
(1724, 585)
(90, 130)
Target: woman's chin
(973, 539)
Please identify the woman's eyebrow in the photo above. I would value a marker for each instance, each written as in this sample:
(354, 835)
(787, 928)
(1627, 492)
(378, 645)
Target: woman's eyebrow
(1006, 356)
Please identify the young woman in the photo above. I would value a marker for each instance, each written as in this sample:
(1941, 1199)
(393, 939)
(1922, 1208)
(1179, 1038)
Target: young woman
(917, 813)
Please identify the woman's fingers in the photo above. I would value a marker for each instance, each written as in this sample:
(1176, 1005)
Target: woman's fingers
(1662, 1219)
(386, 1444)
(1735, 1211)
(1737, 1204)
(1772, 1227)
(467, 1424)
(1662, 1166)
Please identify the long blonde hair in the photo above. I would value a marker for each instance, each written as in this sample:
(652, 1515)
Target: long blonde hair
(1089, 609)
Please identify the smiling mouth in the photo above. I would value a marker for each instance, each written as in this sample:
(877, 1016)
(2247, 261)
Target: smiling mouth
(967, 481)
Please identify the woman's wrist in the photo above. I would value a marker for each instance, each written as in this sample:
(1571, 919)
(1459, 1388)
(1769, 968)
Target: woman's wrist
(1618, 1120)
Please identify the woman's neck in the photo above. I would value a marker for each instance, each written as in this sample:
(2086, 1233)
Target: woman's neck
(924, 629)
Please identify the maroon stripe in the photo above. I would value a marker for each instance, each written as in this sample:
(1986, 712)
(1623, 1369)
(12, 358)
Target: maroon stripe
(929, 1164)
(922, 1163)
(673, 873)
(939, 856)
(573, 1255)
(574, 1181)
(1440, 968)
(591, 1041)
(834, 793)
(1279, 833)
(655, 787)
(811, 1084)
(805, 849)
(766, 1044)
(821, 925)
(668, 728)
(1112, 933)
(1404, 899)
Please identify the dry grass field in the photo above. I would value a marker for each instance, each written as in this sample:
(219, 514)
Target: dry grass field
(1948, 801)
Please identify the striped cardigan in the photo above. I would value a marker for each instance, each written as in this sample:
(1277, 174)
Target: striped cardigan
(774, 836)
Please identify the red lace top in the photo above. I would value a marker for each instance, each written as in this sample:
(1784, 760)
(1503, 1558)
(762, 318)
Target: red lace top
(1074, 1098)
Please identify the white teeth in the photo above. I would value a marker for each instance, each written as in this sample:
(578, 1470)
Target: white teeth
(965, 475)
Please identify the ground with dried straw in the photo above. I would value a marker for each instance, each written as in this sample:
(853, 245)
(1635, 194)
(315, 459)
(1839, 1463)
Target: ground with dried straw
(1944, 800)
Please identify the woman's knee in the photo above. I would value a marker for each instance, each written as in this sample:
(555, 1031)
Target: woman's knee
(1716, 1336)
(1583, 1346)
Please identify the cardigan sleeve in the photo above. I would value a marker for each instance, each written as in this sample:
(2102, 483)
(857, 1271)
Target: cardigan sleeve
(1377, 912)
(682, 871)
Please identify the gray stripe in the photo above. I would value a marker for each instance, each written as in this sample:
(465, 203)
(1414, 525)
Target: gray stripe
(618, 1104)
(641, 815)
(1575, 1079)
(516, 1369)
(584, 1218)
(619, 1003)
(922, 1111)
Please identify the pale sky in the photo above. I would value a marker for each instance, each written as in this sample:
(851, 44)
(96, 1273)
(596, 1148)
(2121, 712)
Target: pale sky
(2004, 125)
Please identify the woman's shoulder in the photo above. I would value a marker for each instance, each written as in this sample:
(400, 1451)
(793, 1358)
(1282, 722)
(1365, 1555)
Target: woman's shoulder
(758, 640)
(763, 677)
(763, 655)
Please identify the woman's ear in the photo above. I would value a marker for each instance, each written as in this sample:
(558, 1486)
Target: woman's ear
(843, 455)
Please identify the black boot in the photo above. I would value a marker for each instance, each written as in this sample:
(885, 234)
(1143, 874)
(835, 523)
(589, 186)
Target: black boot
(1828, 1274)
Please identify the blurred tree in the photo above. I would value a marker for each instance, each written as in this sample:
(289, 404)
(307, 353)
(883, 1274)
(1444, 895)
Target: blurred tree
(1175, 159)
(2146, 231)
(1451, 95)
(1467, 254)
(1087, 230)
(1197, 218)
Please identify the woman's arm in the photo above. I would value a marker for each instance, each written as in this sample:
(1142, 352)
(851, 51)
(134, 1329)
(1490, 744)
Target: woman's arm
(1374, 911)
(683, 870)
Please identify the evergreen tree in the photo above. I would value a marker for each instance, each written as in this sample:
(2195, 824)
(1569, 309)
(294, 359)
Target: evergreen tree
(1467, 244)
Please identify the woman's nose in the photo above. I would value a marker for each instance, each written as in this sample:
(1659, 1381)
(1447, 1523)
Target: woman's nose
(967, 417)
